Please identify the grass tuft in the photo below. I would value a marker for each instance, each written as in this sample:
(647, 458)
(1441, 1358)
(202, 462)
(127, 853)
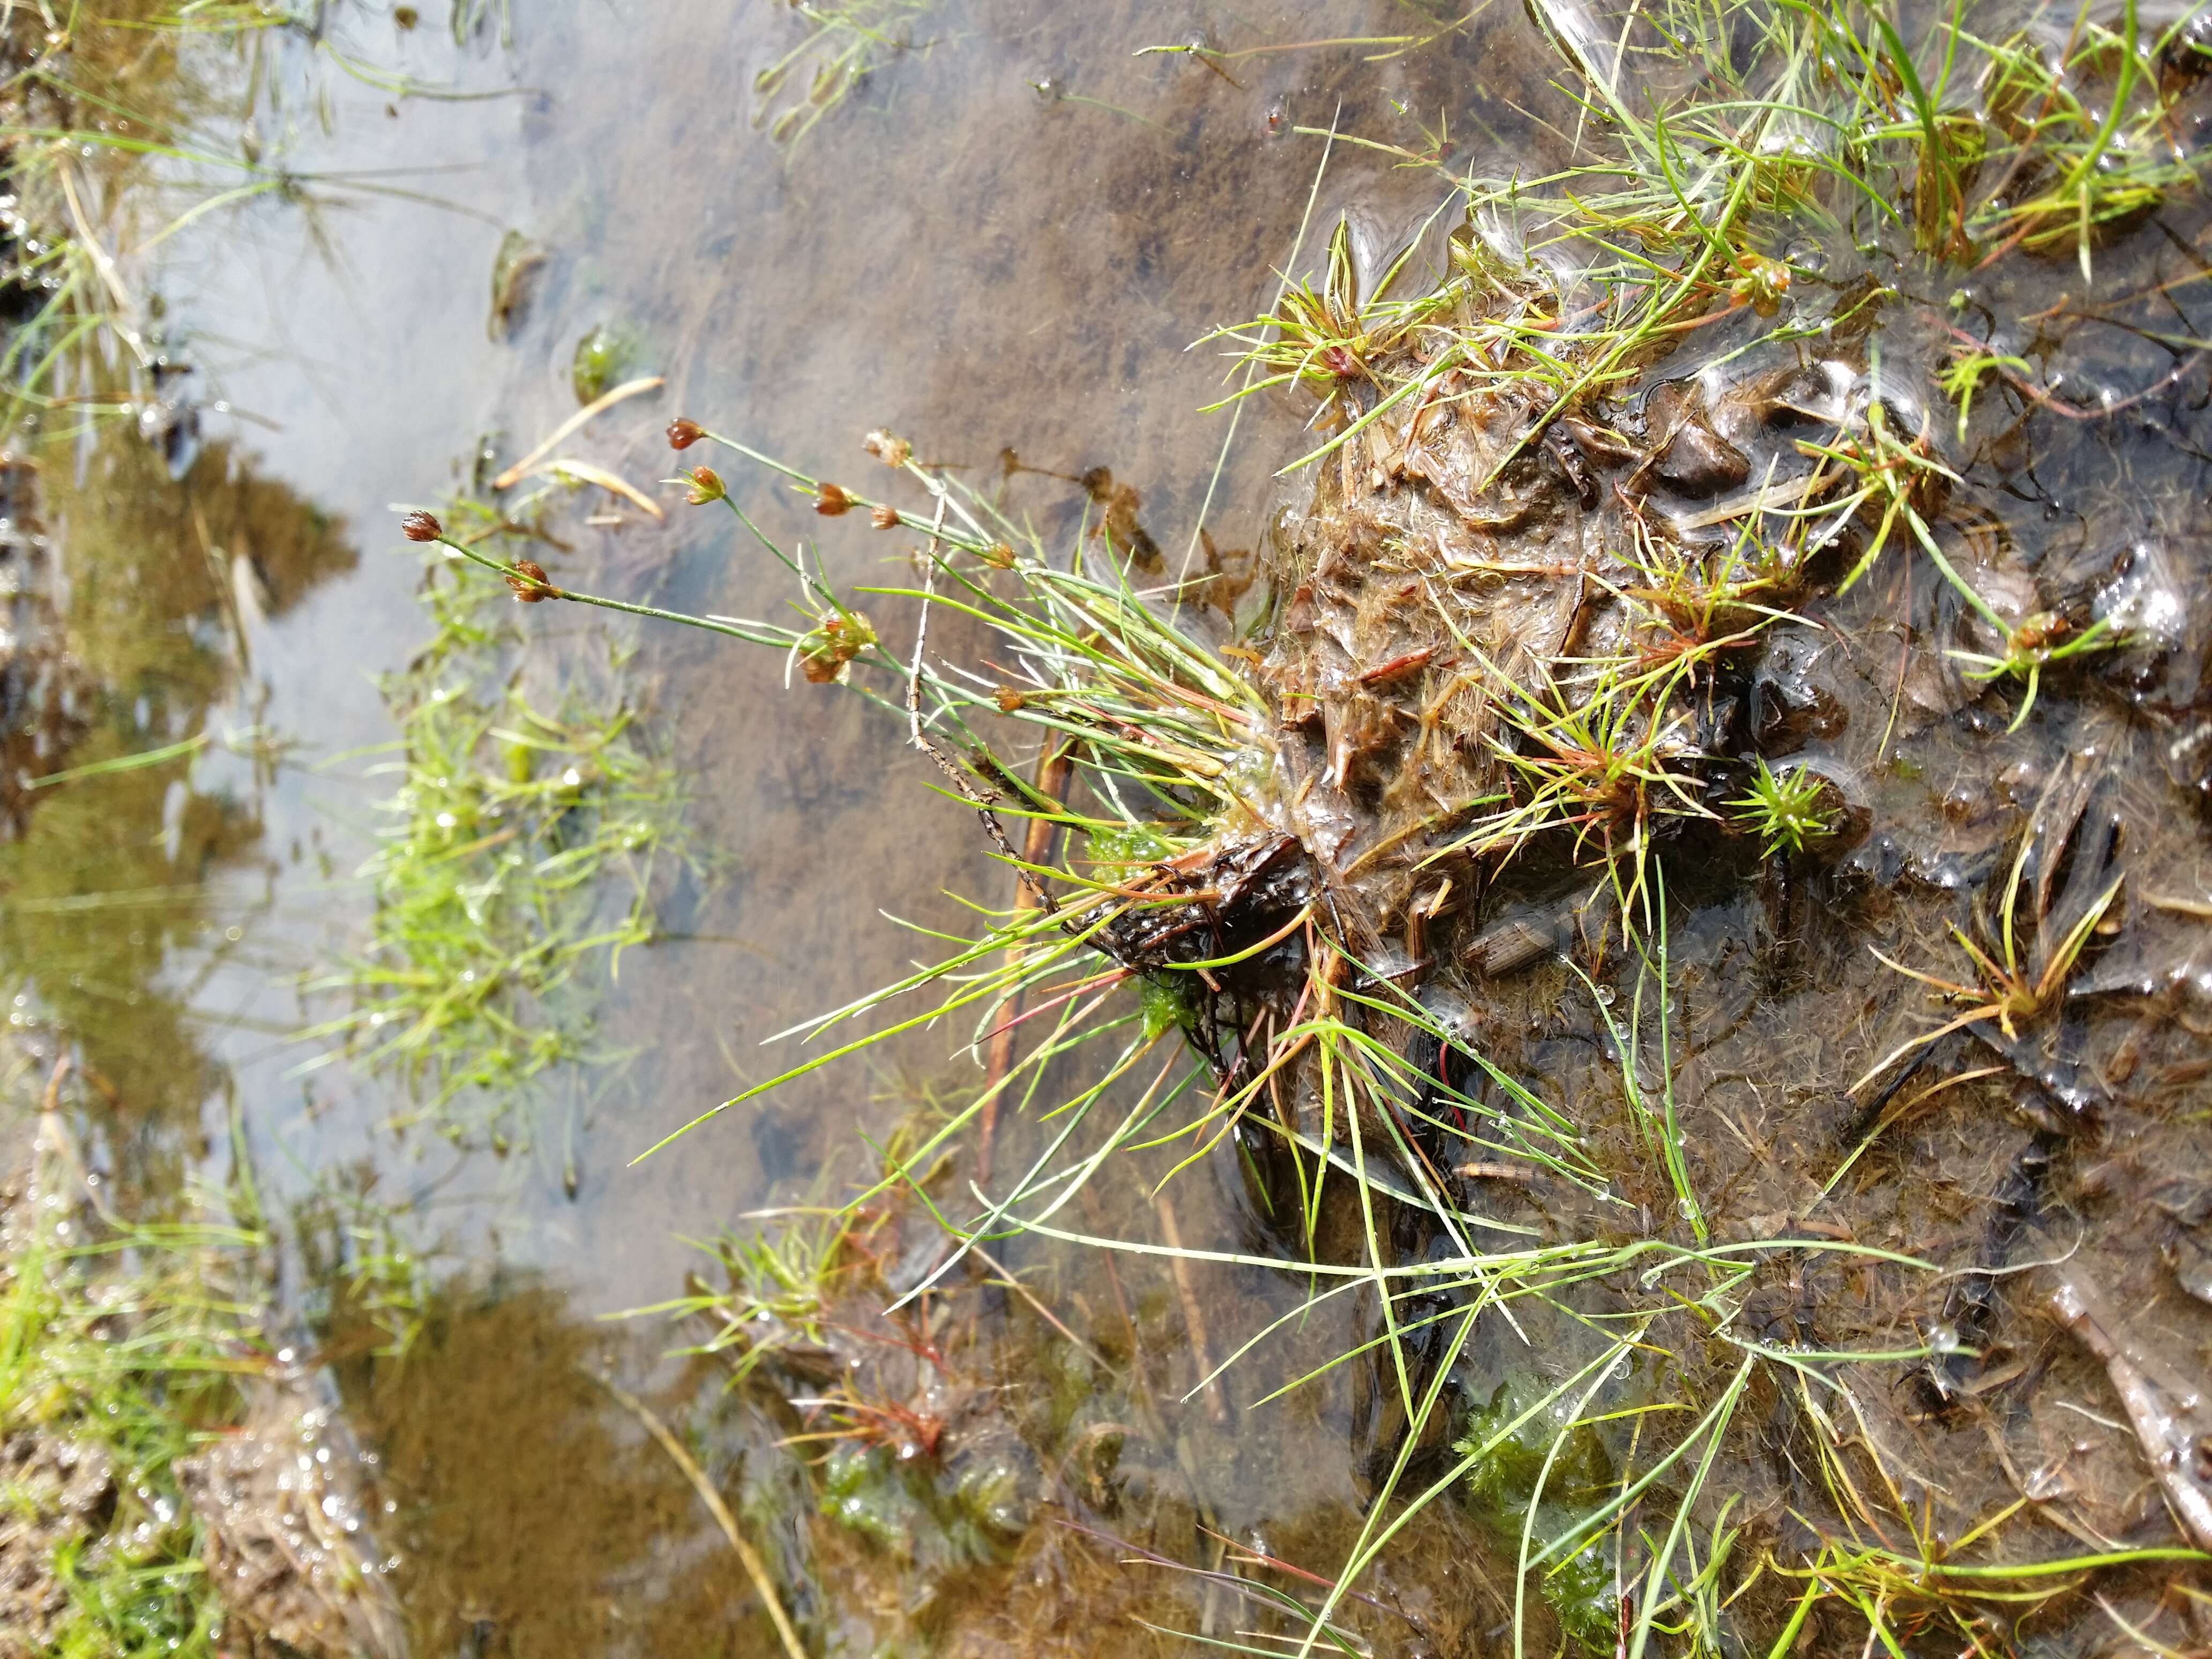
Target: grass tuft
(1788, 810)
(122, 1350)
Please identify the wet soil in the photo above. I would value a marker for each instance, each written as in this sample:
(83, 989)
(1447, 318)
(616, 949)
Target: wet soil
(2035, 1165)
(251, 1508)
(1011, 276)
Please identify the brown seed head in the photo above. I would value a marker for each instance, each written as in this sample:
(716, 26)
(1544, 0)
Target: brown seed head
(683, 434)
(890, 450)
(529, 583)
(839, 639)
(830, 501)
(420, 526)
(884, 517)
(706, 486)
(998, 556)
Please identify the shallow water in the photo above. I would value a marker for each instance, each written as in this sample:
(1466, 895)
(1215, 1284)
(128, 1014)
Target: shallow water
(1001, 247)
(994, 269)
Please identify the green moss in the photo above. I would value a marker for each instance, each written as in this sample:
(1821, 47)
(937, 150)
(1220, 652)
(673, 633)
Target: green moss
(864, 1489)
(603, 361)
(1067, 1385)
(939, 1519)
(1167, 1005)
(1503, 1484)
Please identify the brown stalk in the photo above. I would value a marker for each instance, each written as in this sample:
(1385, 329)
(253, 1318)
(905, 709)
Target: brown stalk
(755, 1568)
(1194, 1314)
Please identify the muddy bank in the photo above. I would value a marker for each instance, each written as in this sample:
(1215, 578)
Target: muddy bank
(178, 1477)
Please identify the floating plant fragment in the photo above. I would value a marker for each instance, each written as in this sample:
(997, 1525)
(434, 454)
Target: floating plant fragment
(513, 270)
(603, 359)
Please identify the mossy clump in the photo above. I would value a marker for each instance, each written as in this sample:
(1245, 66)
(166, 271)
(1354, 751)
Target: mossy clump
(603, 360)
(1122, 850)
(1557, 1462)
(939, 1518)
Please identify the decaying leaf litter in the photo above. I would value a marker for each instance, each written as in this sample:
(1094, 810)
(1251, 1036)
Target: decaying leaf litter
(1688, 906)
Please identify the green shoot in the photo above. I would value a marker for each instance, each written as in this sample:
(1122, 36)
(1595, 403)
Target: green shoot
(845, 41)
(1784, 810)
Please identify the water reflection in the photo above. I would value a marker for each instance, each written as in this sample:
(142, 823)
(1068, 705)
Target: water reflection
(134, 601)
(530, 1512)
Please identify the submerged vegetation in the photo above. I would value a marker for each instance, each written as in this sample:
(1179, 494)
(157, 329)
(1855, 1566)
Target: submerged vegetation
(528, 844)
(1638, 581)
(845, 41)
(120, 127)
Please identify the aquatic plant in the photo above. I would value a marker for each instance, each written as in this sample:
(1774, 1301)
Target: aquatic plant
(777, 1287)
(845, 42)
(1606, 762)
(1144, 943)
(1181, 886)
(2021, 962)
(1326, 338)
(361, 1264)
(1201, 942)
(524, 852)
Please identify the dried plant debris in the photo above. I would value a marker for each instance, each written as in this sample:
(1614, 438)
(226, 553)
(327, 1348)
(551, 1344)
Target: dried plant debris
(2165, 1402)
